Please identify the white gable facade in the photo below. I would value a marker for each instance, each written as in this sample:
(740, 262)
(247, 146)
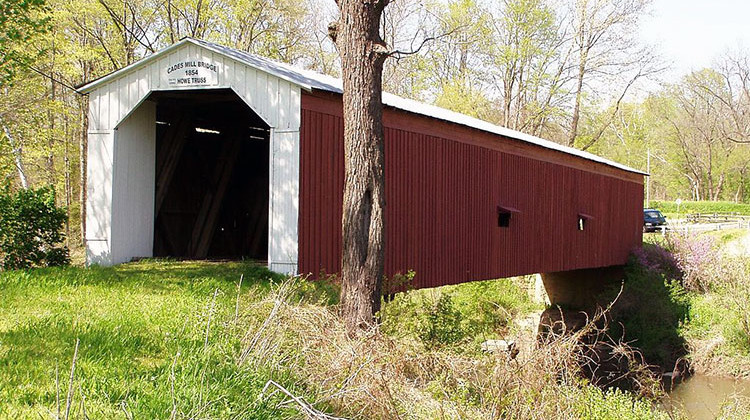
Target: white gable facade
(122, 147)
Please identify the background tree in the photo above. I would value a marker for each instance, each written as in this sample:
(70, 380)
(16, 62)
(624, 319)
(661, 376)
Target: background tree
(604, 46)
(529, 62)
(694, 113)
(20, 22)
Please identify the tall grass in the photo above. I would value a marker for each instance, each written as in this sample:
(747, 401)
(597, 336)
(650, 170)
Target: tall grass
(384, 376)
(716, 291)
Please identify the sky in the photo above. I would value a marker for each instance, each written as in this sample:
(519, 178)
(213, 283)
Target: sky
(692, 34)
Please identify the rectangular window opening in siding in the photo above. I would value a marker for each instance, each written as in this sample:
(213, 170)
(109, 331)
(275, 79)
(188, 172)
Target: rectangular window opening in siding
(504, 214)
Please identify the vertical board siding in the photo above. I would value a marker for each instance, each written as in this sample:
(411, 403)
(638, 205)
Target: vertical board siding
(133, 179)
(99, 197)
(442, 196)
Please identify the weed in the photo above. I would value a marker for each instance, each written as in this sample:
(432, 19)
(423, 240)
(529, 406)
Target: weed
(441, 324)
(697, 258)
(378, 376)
(653, 307)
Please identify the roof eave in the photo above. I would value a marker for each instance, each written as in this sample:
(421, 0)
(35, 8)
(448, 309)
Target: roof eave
(89, 86)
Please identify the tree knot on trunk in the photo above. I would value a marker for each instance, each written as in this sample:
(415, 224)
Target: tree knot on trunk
(333, 30)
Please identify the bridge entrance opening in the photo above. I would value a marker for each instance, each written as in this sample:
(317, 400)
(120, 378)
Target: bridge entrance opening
(212, 173)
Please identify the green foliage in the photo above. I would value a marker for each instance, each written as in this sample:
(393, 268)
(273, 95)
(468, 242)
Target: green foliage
(20, 20)
(459, 95)
(441, 323)
(143, 349)
(732, 288)
(489, 307)
(325, 291)
(701, 207)
(453, 314)
(652, 309)
(31, 229)
(596, 404)
(719, 327)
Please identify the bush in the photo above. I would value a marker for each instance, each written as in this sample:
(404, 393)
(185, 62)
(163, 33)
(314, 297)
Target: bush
(457, 313)
(733, 287)
(697, 258)
(31, 229)
(653, 306)
(441, 324)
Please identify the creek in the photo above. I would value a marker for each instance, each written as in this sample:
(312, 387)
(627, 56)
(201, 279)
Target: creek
(701, 397)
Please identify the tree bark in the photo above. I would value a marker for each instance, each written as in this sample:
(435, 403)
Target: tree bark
(363, 53)
(573, 133)
(17, 153)
(51, 173)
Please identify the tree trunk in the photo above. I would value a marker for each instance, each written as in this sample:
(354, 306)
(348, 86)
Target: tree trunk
(51, 174)
(17, 153)
(66, 160)
(579, 92)
(363, 53)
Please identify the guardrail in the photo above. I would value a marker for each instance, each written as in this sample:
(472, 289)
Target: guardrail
(716, 217)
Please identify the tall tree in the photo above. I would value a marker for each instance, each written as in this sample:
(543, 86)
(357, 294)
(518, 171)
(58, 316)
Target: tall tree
(20, 21)
(734, 95)
(457, 59)
(363, 52)
(528, 62)
(605, 46)
(696, 122)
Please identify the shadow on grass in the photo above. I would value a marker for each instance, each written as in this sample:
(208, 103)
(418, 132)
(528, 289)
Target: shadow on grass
(154, 274)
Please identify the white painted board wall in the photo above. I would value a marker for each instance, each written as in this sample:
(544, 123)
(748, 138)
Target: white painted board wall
(121, 153)
(133, 181)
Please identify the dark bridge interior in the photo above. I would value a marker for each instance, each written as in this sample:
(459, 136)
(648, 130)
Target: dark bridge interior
(212, 156)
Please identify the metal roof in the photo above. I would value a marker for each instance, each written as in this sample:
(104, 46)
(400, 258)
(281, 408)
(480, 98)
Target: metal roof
(311, 80)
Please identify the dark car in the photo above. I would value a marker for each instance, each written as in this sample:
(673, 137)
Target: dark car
(653, 220)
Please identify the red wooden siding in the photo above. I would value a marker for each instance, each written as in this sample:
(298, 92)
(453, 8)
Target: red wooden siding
(444, 183)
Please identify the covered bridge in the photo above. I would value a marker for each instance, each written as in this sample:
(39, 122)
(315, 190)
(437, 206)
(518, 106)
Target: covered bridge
(202, 151)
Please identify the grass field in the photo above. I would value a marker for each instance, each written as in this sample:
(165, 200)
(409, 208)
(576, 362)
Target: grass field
(155, 338)
(163, 340)
(670, 207)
